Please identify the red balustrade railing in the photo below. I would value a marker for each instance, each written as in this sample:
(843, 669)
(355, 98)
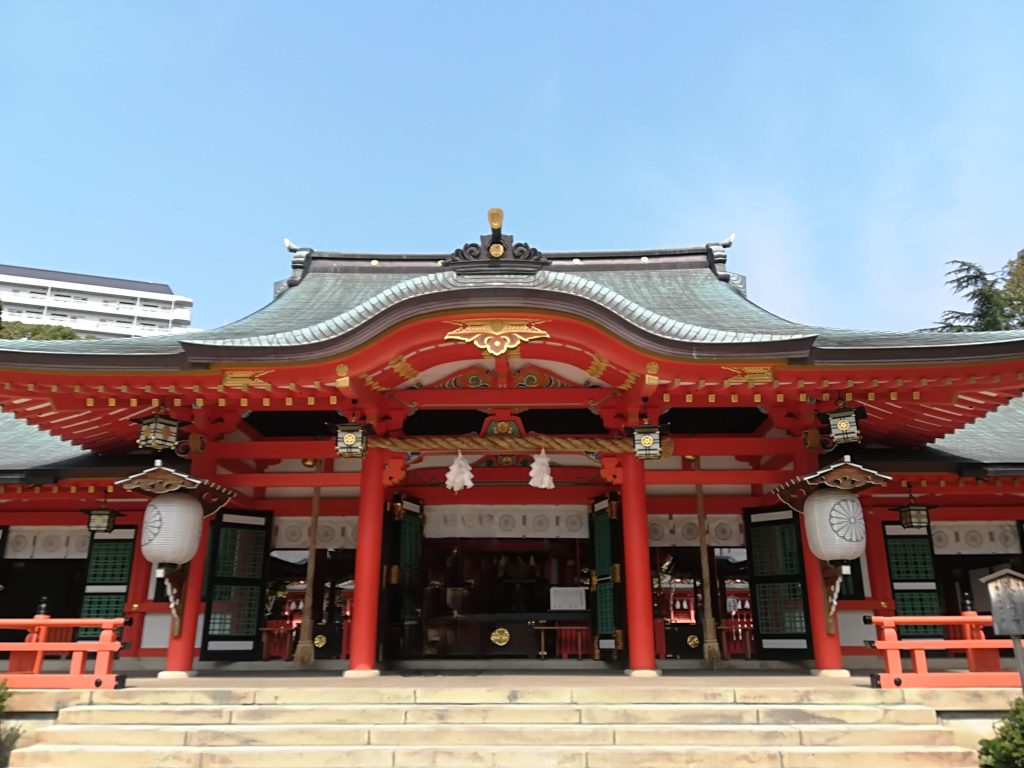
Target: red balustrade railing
(49, 637)
(984, 665)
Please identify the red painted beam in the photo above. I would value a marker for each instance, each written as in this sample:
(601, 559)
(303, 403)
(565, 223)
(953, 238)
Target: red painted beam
(563, 397)
(719, 477)
(291, 479)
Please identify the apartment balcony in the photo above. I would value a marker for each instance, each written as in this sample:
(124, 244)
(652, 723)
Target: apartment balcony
(103, 306)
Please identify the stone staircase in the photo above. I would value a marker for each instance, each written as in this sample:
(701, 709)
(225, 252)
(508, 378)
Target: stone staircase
(618, 725)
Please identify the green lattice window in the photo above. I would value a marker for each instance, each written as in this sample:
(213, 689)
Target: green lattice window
(780, 609)
(235, 610)
(918, 602)
(605, 605)
(411, 537)
(110, 562)
(240, 552)
(602, 544)
(100, 606)
(776, 551)
(910, 558)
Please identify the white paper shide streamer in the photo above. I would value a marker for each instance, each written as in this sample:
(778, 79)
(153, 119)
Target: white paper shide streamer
(540, 471)
(459, 475)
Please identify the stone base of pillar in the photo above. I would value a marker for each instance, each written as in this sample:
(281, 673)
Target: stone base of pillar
(643, 672)
(358, 673)
(830, 672)
(172, 674)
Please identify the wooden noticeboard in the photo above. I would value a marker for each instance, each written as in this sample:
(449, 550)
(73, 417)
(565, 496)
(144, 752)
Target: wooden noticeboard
(1006, 589)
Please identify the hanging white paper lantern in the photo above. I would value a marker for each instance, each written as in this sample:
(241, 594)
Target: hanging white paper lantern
(835, 525)
(171, 527)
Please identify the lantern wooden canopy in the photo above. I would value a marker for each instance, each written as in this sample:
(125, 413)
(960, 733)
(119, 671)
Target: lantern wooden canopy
(844, 475)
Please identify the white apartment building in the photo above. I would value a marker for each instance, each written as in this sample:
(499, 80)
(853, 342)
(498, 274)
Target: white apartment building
(103, 307)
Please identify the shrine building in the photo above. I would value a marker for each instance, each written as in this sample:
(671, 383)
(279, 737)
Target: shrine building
(601, 460)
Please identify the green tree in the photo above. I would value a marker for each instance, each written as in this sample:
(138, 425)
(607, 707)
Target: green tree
(1013, 290)
(1006, 749)
(12, 330)
(987, 296)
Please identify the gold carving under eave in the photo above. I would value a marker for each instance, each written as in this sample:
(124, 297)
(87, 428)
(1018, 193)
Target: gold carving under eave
(629, 381)
(245, 379)
(598, 365)
(750, 374)
(497, 337)
(341, 373)
(403, 369)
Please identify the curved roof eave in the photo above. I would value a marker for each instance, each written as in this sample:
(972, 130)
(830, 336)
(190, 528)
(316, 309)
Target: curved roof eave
(551, 290)
(678, 308)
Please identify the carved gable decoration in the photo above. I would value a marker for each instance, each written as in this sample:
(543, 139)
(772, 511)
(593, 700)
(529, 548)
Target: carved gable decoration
(496, 254)
(535, 376)
(503, 257)
(497, 336)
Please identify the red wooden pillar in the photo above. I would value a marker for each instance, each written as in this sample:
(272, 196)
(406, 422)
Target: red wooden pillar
(878, 563)
(181, 649)
(366, 593)
(828, 655)
(138, 593)
(639, 600)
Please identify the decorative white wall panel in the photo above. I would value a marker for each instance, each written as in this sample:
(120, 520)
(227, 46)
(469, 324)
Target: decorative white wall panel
(47, 542)
(331, 532)
(975, 538)
(514, 521)
(78, 543)
(682, 531)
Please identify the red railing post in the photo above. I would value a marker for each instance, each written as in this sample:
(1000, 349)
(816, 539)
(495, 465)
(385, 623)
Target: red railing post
(893, 662)
(979, 659)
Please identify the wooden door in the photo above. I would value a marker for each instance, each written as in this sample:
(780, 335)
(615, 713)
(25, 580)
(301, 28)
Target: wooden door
(777, 585)
(236, 585)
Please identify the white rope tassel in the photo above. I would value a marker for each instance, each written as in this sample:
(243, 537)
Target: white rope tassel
(459, 475)
(540, 471)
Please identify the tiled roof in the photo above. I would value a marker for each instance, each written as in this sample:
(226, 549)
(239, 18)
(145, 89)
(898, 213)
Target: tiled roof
(23, 446)
(676, 297)
(997, 438)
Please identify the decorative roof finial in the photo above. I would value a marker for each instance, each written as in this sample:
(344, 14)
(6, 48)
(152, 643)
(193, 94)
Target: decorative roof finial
(300, 257)
(717, 257)
(496, 253)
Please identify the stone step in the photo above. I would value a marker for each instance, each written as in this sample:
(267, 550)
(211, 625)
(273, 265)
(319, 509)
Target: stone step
(182, 714)
(497, 735)
(66, 756)
(623, 692)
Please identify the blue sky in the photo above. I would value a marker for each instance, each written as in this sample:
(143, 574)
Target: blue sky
(853, 147)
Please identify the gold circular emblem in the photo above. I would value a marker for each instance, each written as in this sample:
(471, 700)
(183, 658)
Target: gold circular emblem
(496, 250)
(500, 637)
(647, 441)
(349, 438)
(320, 641)
(693, 641)
(843, 424)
